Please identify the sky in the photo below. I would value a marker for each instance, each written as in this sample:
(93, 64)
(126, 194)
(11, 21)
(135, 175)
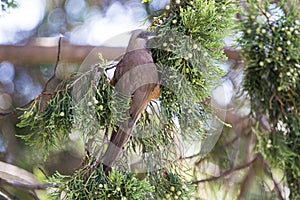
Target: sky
(15, 23)
(91, 25)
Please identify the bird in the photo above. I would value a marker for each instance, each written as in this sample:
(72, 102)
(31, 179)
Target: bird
(135, 76)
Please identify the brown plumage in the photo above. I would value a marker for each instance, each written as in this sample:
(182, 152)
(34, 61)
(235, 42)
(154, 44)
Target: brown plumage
(136, 76)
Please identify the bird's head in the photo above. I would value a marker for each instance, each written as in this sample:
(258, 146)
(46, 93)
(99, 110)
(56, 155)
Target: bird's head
(139, 39)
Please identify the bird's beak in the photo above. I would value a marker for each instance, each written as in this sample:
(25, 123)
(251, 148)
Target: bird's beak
(150, 35)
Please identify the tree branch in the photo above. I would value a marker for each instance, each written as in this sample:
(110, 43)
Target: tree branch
(26, 185)
(56, 64)
(45, 51)
(226, 172)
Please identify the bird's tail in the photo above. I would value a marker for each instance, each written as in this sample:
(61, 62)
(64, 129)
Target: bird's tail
(117, 142)
(119, 139)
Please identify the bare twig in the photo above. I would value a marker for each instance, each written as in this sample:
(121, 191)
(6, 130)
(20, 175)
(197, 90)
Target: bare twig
(191, 157)
(6, 195)
(246, 184)
(56, 64)
(226, 172)
(111, 67)
(43, 172)
(28, 186)
(267, 169)
(258, 159)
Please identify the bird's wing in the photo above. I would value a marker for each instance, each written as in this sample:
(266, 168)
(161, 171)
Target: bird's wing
(136, 75)
(144, 86)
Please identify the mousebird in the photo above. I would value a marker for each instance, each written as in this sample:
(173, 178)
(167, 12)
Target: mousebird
(135, 76)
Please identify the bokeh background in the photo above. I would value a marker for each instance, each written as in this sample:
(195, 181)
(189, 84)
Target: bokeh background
(40, 23)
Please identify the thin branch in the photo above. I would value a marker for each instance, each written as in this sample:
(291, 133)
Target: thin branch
(56, 64)
(246, 184)
(3, 196)
(267, 169)
(6, 194)
(226, 172)
(111, 67)
(190, 157)
(266, 16)
(43, 172)
(258, 158)
(33, 194)
(26, 185)
(5, 114)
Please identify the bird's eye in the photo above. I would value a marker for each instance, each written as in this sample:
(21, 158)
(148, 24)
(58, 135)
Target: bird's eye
(143, 35)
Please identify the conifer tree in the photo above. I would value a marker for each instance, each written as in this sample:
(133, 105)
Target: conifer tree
(187, 49)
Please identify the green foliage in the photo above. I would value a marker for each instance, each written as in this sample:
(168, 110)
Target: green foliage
(103, 102)
(170, 185)
(186, 46)
(146, 1)
(6, 5)
(187, 83)
(206, 23)
(185, 56)
(270, 49)
(76, 104)
(151, 135)
(91, 183)
(49, 119)
(270, 46)
(93, 102)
